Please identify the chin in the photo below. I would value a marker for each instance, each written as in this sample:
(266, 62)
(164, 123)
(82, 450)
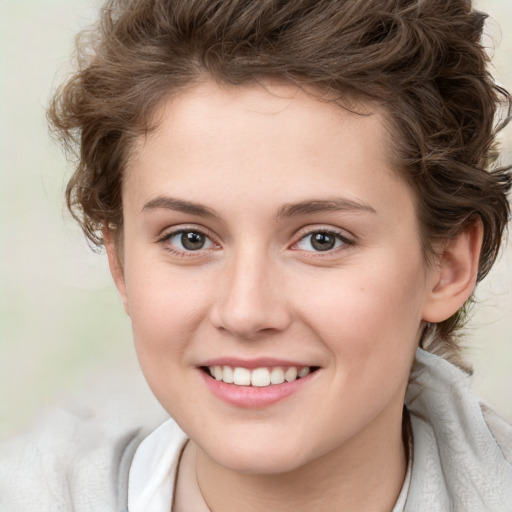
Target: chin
(248, 457)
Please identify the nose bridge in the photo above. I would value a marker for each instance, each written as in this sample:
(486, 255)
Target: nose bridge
(251, 300)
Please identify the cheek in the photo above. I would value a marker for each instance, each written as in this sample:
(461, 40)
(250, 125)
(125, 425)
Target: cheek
(166, 309)
(368, 310)
(164, 318)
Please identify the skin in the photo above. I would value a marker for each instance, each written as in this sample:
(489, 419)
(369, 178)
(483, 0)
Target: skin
(258, 288)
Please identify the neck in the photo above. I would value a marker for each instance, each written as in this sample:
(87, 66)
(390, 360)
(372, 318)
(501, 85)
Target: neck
(366, 473)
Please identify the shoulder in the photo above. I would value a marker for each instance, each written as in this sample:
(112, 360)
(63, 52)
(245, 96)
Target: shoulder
(73, 459)
(462, 450)
(500, 429)
(443, 394)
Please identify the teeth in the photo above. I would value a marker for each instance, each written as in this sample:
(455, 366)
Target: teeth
(227, 374)
(259, 377)
(303, 371)
(277, 376)
(290, 374)
(242, 377)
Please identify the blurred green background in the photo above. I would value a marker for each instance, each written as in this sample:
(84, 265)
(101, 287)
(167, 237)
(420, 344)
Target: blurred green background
(62, 328)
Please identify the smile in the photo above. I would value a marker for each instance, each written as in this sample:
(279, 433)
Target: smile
(258, 377)
(256, 383)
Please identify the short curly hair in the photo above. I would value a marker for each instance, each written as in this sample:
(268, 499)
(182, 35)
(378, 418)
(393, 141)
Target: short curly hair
(422, 61)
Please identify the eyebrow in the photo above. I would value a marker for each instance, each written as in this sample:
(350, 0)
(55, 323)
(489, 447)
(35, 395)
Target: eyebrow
(287, 210)
(171, 203)
(324, 205)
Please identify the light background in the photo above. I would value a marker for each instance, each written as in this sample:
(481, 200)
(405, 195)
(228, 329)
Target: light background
(62, 329)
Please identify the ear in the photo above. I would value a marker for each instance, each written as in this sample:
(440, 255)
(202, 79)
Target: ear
(115, 264)
(454, 278)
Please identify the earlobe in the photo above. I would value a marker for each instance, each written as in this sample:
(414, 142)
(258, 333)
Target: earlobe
(115, 265)
(454, 277)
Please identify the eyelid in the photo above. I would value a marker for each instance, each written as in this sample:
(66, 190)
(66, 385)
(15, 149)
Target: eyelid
(172, 231)
(347, 239)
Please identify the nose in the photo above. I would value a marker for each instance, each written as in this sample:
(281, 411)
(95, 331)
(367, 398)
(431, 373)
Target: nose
(251, 300)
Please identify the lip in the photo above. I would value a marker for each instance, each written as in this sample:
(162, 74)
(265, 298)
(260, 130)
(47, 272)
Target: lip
(251, 397)
(251, 364)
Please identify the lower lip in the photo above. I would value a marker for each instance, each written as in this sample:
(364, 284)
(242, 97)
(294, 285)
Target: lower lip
(250, 397)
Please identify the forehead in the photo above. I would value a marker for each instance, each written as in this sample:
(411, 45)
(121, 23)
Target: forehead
(210, 111)
(258, 136)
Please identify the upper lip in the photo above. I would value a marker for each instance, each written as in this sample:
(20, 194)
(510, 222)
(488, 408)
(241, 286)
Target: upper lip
(260, 362)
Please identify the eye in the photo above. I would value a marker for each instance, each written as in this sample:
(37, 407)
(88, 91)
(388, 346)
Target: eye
(189, 240)
(320, 241)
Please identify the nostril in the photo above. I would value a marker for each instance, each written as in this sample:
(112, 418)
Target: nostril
(250, 302)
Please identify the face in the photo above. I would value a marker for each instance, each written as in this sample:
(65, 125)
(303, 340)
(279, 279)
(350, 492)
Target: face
(269, 240)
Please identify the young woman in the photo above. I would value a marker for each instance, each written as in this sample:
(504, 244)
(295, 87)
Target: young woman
(297, 199)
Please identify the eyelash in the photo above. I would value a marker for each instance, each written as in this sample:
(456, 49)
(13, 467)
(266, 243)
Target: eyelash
(344, 242)
(165, 240)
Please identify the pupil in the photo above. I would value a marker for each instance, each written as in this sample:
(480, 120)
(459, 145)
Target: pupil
(192, 240)
(323, 241)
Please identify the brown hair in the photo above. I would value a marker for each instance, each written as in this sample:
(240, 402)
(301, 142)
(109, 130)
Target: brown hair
(422, 60)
